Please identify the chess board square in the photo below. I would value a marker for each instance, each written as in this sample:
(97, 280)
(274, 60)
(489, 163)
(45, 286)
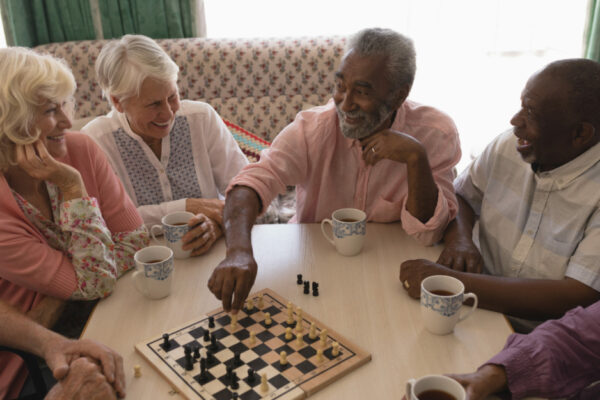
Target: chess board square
(248, 356)
(246, 322)
(224, 394)
(280, 367)
(277, 330)
(214, 386)
(295, 358)
(307, 352)
(285, 348)
(292, 374)
(229, 341)
(271, 357)
(283, 339)
(224, 320)
(227, 381)
(254, 310)
(278, 381)
(242, 334)
(328, 353)
(274, 343)
(220, 333)
(272, 310)
(208, 378)
(306, 366)
(257, 365)
(250, 395)
(197, 332)
(239, 347)
(261, 349)
(264, 336)
(308, 340)
(224, 355)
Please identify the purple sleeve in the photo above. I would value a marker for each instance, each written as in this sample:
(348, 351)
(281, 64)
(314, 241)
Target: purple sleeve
(558, 359)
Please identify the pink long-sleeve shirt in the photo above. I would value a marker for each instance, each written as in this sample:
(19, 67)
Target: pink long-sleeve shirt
(329, 172)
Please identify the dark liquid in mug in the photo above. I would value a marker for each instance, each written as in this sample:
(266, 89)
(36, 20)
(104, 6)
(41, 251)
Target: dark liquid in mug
(435, 395)
(348, 220)
(153, 261)
(179, 223)
(442, 293)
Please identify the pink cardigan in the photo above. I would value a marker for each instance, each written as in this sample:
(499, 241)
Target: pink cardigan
(29, 267)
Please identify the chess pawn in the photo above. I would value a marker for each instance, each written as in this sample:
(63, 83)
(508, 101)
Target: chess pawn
(250, 304)
(312, 334)
(137, 371)
(268, 320)
(260, 301)
(320, 355)
(264, 385)
(283, 358)
(336, 349)
(290, 316)
(288, 333)
(289, 306)
(252, 338)
(299, 313)
(323, 338)
(299, 339)
(299, 327)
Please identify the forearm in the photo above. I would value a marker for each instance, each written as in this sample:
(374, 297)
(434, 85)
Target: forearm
(537, 299)
(126, 244)
(422, 191)
(241, 209)
(462, 226)
(47, 311)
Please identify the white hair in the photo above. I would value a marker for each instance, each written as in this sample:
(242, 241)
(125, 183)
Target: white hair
(124, 64)
(399, 50)
(28, 80)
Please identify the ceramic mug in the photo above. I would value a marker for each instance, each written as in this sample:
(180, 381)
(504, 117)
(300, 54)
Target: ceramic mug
(349, 227)
(174, 226)
(442, 297)
(154, 271)
(425, 388)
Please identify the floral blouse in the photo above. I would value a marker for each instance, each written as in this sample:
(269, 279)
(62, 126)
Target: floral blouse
(78, 230)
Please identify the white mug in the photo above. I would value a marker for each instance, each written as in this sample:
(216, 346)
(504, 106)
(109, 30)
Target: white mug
(416, 389)
(349, 227)
(442, 297)
(154, 271)
(174, 226)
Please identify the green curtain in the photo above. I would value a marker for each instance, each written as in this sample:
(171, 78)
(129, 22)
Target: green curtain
(34, 22)
(592, 50)
(154, 18)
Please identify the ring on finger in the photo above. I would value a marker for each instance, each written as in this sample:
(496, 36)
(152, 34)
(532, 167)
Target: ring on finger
(373, 149)
(406, 284)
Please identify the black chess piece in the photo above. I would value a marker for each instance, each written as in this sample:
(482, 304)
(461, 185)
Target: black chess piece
(210, 358)
(196, 352)
(166, 344)
(237, 361)
(251, 375)
(189, 361)
(207, 335)
(202, 364)
(315, 292)
(229, 370)
(306, 287)
(213, 343)
(315, 285)
(203, 374)
(234, 396)
(211, 322)
(234, 381)
(299, 280)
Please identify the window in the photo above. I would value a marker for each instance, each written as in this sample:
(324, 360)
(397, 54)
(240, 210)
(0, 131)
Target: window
(473, 56)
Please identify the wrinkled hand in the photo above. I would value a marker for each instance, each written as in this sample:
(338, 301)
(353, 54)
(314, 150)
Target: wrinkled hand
(212, 208)
(233, 278)
(84, 381)
(35, 160)
(391, 145)
(60, 355)
(412, 272)
(202, 235)
(489, 379)
(462, 255)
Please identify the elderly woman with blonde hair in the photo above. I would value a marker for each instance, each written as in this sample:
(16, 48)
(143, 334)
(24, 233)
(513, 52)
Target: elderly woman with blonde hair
(171, 155)
(68, 229)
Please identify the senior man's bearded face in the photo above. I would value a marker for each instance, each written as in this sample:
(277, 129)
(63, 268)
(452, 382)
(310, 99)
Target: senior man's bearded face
(362, 95)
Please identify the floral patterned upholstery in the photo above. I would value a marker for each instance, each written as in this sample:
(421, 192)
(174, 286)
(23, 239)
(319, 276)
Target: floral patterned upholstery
(258, 84)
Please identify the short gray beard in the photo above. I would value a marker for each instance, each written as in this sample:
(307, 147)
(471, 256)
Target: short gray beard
(371, 122)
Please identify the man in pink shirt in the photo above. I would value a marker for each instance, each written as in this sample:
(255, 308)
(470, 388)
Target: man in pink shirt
(368, 148)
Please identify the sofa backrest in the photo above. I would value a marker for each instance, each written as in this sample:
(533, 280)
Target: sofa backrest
(258, 84)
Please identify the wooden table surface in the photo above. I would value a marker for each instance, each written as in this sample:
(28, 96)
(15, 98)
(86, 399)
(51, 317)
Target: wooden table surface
(360, 297)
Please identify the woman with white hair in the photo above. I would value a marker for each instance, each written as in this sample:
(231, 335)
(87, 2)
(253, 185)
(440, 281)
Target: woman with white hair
(68, 229)
(171, 155)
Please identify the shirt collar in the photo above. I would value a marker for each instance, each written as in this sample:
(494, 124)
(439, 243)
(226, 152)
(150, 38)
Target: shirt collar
(567, 173)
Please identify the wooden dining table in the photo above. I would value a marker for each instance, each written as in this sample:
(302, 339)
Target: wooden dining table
(360, 297)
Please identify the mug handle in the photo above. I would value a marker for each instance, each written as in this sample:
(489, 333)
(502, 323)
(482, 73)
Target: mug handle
(327, 221)
(152, 231)
(473, 307)
(409, 385)
(138, 280)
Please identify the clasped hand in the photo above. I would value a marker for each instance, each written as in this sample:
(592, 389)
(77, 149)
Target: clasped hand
(203, 233)
(392, 145)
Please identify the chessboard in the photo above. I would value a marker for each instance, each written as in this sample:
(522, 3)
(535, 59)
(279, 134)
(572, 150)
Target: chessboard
(243, 357)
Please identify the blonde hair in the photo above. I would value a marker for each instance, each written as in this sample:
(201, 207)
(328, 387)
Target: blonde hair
(29, 80)
(124, 64)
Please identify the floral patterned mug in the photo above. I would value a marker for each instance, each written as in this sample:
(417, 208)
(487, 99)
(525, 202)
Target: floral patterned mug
(349, 227)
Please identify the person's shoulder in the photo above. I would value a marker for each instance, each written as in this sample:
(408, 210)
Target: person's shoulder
(320, 118)
(417, 114)
(102, 125)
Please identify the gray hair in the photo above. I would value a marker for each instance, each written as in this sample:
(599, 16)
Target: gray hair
(400, 52)
(124, 64)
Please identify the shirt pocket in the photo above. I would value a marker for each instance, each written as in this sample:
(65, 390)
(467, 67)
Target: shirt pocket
(386, 210)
